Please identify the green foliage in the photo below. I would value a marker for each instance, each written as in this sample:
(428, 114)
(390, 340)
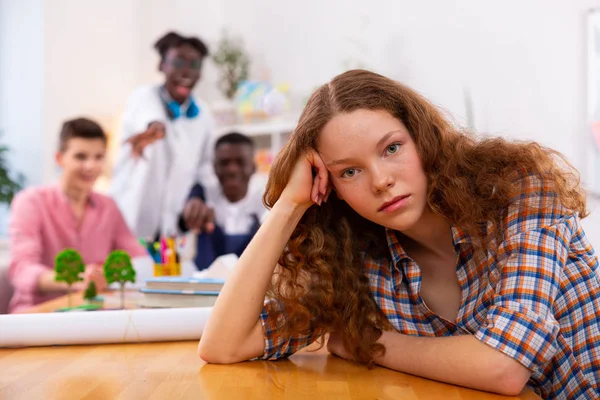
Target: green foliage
(234, 63)
(9, 185)
(118, 268)
(91, 292)
(68, 266)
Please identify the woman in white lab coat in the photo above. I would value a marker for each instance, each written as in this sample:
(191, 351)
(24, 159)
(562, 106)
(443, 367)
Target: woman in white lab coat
(167, 146)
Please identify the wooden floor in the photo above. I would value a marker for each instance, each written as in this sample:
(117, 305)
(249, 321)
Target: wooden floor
(174, 371)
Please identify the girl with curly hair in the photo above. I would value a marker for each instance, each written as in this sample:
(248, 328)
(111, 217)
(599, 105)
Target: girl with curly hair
(415, 246)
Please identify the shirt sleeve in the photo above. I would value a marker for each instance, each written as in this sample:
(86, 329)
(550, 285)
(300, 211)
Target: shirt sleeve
(204, 170)
(136, 118)
(124, 239)
(278, 346)
(130, 175)
(25, 244)
(527, 272)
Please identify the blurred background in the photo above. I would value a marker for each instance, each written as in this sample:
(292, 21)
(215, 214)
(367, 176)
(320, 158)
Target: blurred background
(520, 69)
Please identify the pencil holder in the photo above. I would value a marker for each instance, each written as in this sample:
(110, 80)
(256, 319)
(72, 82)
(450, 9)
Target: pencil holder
(167, 269)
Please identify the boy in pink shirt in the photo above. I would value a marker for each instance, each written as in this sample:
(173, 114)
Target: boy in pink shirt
(46, 220)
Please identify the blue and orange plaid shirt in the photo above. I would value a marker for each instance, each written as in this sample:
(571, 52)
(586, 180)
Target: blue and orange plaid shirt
(536, 298)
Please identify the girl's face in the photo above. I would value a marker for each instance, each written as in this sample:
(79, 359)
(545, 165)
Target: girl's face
(374, 167)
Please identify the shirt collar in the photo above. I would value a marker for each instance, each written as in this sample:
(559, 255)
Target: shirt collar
(399, 254)
(396, 250)
(459, 235)
(91, 201)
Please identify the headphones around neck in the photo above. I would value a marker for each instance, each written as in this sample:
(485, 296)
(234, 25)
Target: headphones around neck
(174, 109)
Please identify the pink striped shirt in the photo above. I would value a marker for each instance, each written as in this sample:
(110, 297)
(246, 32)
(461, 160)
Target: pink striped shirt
(42, 224)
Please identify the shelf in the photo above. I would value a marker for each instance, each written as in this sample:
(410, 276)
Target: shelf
(263, 128)
(275, 129)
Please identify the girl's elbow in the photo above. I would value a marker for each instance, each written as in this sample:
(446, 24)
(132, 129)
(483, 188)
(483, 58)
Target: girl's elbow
(210, 355)
(510, 388)
(512, 379)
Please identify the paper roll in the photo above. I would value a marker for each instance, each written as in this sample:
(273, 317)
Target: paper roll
(121, 326)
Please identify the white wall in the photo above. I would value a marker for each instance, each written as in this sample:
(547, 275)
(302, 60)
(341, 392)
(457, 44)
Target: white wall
(89, 65)
(21, 87)
(592, 223)
(21, 84)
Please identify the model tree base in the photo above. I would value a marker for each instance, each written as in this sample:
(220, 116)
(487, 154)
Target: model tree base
(83, 307)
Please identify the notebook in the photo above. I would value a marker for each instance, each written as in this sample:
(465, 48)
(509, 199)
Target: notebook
(176, 298)
(176, 283)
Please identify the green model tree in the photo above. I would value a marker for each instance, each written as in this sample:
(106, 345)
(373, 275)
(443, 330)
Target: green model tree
(69, 266)
(118, 268)
(91, 292)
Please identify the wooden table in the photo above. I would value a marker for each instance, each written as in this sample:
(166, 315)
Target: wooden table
(174, 371)
(77, 299)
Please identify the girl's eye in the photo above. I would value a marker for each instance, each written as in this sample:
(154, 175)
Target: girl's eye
(393, 148)
(349, 173)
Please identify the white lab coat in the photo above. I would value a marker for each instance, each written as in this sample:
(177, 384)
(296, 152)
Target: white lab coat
(151, 191)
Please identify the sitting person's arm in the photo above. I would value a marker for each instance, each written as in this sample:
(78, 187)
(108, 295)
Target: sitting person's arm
(520, 328)
(143, 128)
(26, 272)
(234, 331)
(517, 336)
(460, 360)
(520, 331)
(197, 215)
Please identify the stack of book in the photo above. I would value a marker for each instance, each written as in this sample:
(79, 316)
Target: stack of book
(170, 291)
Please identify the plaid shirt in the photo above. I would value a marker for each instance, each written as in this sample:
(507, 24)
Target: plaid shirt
(535, 299)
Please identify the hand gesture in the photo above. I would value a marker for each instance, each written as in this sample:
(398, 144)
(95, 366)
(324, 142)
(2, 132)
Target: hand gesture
(155, 131)
(198, 217)
(94, 272)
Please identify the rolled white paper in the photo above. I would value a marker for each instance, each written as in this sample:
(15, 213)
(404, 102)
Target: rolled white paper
(94, 327)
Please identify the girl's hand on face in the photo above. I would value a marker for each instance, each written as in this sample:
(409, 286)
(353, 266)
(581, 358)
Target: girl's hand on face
(309, 182)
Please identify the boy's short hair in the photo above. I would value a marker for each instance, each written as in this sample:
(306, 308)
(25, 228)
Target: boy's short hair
(174, 39)
(80, 128)
(234, 138)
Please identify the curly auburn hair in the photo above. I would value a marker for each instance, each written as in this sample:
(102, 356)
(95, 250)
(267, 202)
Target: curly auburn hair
(320, 284)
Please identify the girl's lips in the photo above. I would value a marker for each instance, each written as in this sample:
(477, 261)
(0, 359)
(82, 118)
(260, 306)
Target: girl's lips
(394, 204)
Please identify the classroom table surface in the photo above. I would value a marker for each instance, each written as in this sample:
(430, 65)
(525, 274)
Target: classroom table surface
(131, 298)
(173, 370)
